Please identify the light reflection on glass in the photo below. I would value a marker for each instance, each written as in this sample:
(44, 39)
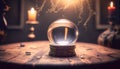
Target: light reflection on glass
(62, 32)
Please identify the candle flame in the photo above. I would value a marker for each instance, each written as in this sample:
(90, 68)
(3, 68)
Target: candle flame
(111, 4)
(32, 13)
(32, 10)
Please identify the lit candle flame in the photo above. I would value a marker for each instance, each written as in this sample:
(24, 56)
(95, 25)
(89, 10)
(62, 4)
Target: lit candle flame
(111, 8)
(32, 10)
(111, 4)
(32, 13)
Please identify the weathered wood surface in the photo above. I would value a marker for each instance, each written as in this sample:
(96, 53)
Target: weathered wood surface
(36, 52)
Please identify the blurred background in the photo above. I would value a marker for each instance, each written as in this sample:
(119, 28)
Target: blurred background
(82, 12)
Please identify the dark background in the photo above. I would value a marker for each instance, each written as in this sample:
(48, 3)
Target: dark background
(104, 12)
(12, 16)
(45, 19)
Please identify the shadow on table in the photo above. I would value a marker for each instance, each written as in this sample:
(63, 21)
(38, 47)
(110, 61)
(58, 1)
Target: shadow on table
(110, 65)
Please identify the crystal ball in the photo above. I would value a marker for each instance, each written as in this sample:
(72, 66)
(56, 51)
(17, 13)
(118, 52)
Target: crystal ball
(62, 32)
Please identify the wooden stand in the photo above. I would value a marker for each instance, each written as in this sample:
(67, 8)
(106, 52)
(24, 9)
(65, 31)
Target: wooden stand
(62, 51)
(32, 29)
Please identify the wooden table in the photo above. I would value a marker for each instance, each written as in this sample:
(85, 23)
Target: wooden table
(35, 55)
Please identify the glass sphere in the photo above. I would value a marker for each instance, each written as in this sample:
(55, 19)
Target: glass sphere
(62, 32)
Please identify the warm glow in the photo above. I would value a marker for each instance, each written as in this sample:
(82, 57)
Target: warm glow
(67, 3)
(111, 8)
(32, 11)
(111, 4)
(32, 14)
(63, 42)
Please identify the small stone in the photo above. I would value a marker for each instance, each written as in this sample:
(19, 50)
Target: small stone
(82, 57)
(28, 53)
(22, 45)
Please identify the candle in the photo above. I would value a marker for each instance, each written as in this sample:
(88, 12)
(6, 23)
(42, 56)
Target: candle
(111, 8)
(32, 14)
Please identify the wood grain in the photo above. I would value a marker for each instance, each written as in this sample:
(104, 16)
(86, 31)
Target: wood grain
(36, 53)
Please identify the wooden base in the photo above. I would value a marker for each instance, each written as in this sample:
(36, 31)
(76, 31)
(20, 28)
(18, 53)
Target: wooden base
(62, 51)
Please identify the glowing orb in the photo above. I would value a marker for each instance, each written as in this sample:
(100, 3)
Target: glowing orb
(62, 32)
